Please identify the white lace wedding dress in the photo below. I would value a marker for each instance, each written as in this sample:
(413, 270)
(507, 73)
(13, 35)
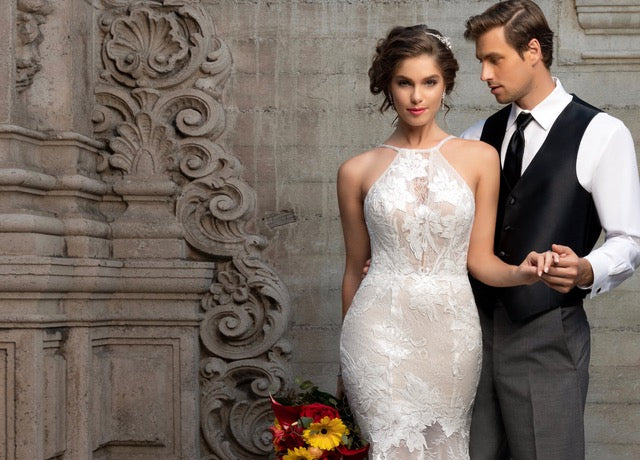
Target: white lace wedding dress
(410, 348)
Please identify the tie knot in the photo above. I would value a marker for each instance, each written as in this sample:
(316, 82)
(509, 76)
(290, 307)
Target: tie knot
(523, 120)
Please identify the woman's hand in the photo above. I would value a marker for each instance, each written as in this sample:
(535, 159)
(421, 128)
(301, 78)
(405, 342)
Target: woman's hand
(536, 264)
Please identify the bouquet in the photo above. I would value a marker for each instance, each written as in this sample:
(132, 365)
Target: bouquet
(313, 425)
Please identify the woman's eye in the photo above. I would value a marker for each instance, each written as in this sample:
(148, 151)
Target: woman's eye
(431, 82)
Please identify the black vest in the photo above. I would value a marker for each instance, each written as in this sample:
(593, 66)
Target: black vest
(547, 205)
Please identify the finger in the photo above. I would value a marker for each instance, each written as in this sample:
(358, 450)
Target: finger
(531, 270)
(549, 259)
(557, 287)
(537, 260)
(557, 281)
(561, 249)
(560, 272)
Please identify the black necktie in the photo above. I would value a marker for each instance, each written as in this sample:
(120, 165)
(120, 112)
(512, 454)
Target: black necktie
(513, 158)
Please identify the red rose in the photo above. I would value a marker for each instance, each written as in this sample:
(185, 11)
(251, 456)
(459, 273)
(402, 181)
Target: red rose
(317, 411)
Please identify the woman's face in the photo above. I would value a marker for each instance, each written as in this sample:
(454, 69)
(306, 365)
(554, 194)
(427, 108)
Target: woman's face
(417, 87)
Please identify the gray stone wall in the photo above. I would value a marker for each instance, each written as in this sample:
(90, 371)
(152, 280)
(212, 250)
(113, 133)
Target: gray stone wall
(298, 105)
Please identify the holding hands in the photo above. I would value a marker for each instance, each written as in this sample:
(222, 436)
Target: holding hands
(559, 268)
(536, 264)
(568, 271)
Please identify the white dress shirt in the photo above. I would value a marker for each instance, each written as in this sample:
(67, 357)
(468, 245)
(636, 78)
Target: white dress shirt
(606, 167)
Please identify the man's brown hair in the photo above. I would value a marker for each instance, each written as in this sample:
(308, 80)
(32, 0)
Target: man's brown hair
(523, 20)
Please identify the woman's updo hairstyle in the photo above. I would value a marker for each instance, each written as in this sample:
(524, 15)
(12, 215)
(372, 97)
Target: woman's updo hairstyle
(407, 42)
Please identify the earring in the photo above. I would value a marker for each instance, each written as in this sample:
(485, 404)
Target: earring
(442, 106)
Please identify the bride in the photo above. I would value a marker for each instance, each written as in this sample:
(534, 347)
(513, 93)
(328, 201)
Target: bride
(422, 207)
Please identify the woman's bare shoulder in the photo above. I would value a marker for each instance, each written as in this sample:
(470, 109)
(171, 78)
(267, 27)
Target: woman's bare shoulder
(475, 147)
(476, 152)
(358, 164)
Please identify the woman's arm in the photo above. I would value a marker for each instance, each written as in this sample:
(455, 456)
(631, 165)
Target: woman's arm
(354, 229)
(482, 263)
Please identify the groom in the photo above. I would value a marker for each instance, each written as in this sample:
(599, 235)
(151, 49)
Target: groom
(569, 170)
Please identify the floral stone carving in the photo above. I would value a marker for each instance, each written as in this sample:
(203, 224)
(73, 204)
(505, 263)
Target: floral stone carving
(159, 110)
(31, 14)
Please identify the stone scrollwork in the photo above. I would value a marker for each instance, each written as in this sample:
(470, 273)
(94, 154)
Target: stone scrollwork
(146, 45)
(160, 44)
(31, 14)
(235, 424)
(242, 310)
(159, 110)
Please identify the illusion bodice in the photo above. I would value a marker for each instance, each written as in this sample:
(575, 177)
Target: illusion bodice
(419, 214)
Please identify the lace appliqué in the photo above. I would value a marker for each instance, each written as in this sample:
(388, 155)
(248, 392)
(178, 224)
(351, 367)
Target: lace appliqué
(411, 342)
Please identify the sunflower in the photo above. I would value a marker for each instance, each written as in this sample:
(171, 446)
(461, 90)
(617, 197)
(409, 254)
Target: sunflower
(326, 434)
(299, 453)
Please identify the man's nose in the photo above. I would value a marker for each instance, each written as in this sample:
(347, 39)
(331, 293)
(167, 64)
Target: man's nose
(486, 73)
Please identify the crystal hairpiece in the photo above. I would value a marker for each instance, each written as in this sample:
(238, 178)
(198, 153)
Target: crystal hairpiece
(444, 40)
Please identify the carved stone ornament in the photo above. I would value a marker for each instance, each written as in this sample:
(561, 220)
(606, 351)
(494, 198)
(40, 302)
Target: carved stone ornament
(159, 110)
(605, 32)
(30, 15)
(605, 17)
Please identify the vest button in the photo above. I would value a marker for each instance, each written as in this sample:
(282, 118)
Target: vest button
(512, 201)
(502, 254)
(507, 228)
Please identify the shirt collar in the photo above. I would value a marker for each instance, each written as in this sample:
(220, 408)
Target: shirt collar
(546, 112)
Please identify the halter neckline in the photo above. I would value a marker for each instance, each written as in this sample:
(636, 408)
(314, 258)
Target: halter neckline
(435, 147)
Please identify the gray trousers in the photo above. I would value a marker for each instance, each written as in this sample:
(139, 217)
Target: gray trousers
(533, 387)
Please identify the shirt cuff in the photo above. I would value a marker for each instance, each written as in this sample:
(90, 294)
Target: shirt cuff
(599, 266)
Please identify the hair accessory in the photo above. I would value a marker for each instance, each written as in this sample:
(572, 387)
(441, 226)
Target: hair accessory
(444, 40)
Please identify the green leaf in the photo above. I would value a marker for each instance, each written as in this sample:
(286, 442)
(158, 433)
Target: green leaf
(306, 421)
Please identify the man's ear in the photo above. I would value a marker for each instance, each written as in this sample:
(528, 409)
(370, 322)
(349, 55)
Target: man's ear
(534, 50)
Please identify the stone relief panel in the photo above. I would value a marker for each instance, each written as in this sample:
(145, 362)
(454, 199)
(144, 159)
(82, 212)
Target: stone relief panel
(7, 402)
(600, 32)
(159, 110)
(137, 385)
(55, 390)
(31, 15)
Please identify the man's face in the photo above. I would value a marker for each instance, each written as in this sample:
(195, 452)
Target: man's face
(509, 75)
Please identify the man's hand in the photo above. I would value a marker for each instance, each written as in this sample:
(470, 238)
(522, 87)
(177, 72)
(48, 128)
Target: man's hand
(365, 269)
(569, 271)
